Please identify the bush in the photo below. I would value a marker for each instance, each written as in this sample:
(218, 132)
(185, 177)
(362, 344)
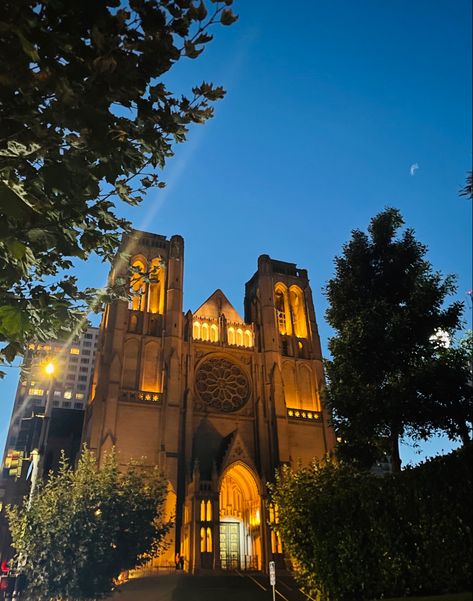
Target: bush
(356, 536)
(86, 526)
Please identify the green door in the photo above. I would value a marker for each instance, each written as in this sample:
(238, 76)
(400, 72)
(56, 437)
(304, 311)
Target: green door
(230, 545)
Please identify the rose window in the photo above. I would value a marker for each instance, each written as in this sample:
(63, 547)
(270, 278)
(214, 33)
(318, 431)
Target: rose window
(222, 385)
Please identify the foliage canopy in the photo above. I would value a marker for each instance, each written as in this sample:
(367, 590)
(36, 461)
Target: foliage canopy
(389, 374)
(86, 120)
(356, 536)
(84, 527)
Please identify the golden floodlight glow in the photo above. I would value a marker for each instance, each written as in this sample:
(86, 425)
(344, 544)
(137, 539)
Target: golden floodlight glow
(49, 369)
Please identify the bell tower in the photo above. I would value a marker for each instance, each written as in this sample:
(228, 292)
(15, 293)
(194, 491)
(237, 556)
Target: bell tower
(136, 392)
(278, 301)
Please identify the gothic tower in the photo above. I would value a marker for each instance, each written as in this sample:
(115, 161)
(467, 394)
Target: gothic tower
(217, 401)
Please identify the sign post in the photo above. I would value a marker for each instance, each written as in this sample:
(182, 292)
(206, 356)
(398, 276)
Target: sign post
(272, 577)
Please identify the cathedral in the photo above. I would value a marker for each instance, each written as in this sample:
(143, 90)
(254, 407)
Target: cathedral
(217, 401)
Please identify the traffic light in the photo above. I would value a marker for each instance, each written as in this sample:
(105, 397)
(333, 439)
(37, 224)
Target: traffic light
(13, 462)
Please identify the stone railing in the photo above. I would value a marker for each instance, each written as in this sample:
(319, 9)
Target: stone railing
(304, 415)
(140, 396)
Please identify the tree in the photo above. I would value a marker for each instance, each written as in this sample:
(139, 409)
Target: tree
(86, 120)
(84, 527)
(388, 376)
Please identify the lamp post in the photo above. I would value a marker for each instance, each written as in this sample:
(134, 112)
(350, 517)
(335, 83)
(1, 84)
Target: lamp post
(37, 460)
(37, 455)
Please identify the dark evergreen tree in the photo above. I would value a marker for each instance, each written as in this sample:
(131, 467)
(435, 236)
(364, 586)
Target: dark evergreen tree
(389, 375)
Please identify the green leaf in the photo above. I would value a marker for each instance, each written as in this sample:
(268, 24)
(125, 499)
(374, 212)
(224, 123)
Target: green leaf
(12, 320)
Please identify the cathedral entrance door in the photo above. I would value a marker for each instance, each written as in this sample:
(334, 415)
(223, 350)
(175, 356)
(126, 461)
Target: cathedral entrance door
(230, 545)
(240, 521)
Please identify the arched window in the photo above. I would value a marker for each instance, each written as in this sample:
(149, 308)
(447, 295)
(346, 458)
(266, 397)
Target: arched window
(306, 389)
(248, 338)
(151, 381)
(213, 333)
(196, 330)
(130, 364)
(299, 319)
(138, 286)
(281, 302)
(205, 331)
(209, 540)
(239, 337)
(231, 335)
(208, 512)
(202, 540)
(290, 386)
(202, 511)
(156, 287)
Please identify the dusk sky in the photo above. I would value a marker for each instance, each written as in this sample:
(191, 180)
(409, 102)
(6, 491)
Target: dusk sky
(334, 110)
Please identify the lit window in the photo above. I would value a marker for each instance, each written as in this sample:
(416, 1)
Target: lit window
(80, 396)
(68, 394)
(209, 541)
(57, 393)
(31, 347)
(74, 351)
(36, 392)
(202, 540)
(213, 333)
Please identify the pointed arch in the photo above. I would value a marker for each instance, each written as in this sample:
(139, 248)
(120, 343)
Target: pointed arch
(290, 384)
(240, 510)
(298, 311)
(156, 286)
(130, 364)
(248, 338)
(196, 330)
(151, 374)
(138, 285)
(283, 315)
(213, 333)
(205, 331)
(239, 337)
(306, 389)
(231, 335)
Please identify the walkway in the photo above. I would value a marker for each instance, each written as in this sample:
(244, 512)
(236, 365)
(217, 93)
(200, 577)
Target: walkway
(182, 587)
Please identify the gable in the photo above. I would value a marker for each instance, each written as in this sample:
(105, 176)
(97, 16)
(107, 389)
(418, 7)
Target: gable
(215, 305)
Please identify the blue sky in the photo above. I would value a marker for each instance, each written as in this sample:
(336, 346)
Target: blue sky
(328, 105)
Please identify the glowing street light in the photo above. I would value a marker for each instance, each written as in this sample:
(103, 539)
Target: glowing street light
(50, 368)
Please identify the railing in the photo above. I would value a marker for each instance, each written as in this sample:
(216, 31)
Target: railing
(304, 415)
(234, 562)
(140, 396)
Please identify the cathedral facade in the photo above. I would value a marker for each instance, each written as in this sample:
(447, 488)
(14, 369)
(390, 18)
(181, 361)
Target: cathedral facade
(216, 401)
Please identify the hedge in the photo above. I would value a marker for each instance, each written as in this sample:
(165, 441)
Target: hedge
(355, 536)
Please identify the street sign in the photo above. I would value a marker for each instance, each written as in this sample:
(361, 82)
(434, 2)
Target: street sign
(272, 573)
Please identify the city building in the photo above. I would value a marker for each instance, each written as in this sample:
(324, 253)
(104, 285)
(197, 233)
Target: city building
(69, 385)
(217, 401)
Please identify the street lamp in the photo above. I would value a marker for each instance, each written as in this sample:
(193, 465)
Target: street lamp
(37, 459)
(37, 455)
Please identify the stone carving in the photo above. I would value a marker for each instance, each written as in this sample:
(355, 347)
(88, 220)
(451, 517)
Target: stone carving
(222, 385)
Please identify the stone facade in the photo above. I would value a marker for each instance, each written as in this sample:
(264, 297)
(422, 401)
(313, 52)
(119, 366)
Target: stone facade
(216, 401)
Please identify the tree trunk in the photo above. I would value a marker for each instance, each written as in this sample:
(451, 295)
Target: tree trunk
(395, 456)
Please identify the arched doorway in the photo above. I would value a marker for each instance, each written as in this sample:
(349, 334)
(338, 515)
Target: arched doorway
(240, 519)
